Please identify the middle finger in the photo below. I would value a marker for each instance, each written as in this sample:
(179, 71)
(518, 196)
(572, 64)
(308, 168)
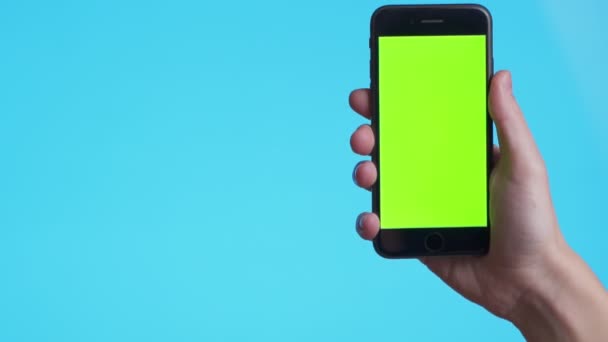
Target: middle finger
(362, 141)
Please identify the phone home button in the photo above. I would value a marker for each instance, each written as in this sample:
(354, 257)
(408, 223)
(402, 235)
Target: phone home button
(434, 242)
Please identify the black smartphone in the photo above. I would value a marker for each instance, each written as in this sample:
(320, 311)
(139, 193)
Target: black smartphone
(430, 69)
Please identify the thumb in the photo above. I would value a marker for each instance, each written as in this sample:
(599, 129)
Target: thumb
(517, 145)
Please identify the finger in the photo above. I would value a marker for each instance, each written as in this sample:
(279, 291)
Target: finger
(365, 174)
(368, 226)
(363, 140)
(516, 141)
(360, 102)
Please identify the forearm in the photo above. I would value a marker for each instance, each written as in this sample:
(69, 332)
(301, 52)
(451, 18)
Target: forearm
(568, 304)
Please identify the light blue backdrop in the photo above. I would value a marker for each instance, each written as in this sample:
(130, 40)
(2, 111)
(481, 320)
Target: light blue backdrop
(180, 170)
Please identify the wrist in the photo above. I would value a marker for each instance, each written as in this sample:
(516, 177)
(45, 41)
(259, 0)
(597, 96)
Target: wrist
(565, 303)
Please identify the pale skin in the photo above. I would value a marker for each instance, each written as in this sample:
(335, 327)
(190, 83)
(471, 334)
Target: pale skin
(531, 276)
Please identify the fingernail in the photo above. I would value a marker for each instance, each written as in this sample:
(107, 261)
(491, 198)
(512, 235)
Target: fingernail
(355, 172)
(510, 82)
(360, 223)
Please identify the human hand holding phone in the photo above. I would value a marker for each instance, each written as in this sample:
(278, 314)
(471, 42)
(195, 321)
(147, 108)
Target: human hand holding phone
(530, 275)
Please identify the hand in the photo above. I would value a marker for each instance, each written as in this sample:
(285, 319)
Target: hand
(527, 249)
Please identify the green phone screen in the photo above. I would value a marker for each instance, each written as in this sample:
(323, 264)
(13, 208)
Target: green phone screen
(433, 131)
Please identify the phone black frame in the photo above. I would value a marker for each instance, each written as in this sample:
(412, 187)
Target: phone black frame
(418, 20)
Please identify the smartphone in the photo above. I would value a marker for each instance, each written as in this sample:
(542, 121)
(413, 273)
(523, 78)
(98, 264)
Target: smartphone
(430, 71)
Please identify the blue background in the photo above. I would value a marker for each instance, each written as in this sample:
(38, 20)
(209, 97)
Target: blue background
(180, 171)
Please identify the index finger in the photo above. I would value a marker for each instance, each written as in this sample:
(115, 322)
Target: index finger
(360, 100)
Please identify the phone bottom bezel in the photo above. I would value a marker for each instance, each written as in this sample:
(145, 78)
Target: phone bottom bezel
(414, 243)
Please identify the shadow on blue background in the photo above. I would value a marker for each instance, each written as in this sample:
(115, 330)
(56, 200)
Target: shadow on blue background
(180, 171)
